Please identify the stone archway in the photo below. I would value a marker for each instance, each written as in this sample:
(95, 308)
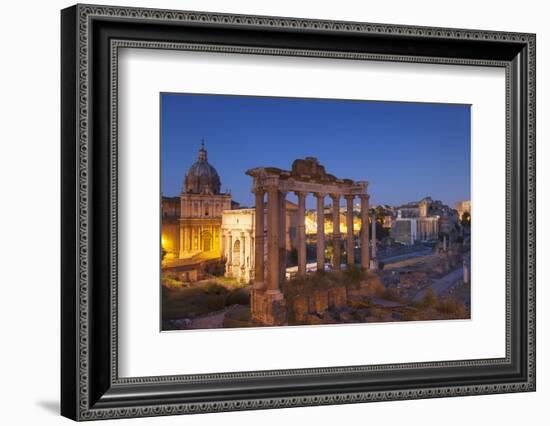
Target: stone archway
(237, 253)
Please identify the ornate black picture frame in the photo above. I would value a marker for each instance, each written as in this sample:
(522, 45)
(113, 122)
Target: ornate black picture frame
(91, 387)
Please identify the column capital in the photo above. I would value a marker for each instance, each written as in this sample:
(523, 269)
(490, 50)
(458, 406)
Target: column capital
(300, 193)
(320, 194)
(335, 197)
(260, 190)
(364, 197)
(349, 197)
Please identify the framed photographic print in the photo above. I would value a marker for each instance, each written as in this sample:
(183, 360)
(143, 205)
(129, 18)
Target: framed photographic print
(263, 212)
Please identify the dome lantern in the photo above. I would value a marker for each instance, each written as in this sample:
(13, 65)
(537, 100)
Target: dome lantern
(202, 152)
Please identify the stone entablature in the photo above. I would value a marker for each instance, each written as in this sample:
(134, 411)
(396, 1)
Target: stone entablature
(204, 205)
(306, 176)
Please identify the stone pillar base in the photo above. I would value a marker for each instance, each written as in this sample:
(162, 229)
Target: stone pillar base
(268, 307)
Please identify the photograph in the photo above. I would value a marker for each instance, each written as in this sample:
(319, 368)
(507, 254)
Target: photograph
(278, 211)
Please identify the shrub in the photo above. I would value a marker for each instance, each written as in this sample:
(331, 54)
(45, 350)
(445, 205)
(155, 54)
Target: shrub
(171, 281)
(213, 288)
(391, 294)
(452, 307)
(238, 296)
(352, 275)
(429, 300)
(216, 302)
(229, 282)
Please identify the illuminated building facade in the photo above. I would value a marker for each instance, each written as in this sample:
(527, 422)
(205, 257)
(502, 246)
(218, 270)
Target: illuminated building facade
(195, 227)
(419, 221)
(463, 207)
(238, 249)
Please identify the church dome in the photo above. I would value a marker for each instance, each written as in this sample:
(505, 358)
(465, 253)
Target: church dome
(202, 178)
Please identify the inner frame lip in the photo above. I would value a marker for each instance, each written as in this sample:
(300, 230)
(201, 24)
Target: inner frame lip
(116, 44)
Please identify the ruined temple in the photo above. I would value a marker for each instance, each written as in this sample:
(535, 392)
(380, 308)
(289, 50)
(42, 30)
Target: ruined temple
(307, 176)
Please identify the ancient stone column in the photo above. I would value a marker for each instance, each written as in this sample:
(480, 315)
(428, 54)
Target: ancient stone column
(229, 262)
(336, 231)
(320, 231)
(273, 215)
(259, 241)
(349, 226)
(373, 236)
(182, 241)
(282, 236)
(373, 260)
(196, 238)
(183, 244)
(301, 237)
(243, 255)
(365, 258)
(250, 257)
(216, 238)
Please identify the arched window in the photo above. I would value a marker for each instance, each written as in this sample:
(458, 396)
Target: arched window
(237, 253)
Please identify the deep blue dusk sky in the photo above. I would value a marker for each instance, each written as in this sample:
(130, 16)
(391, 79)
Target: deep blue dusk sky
(405, 150)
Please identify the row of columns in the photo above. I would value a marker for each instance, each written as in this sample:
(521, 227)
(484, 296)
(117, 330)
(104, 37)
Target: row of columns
(426, 229)
(276, 238)
(191, 238)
